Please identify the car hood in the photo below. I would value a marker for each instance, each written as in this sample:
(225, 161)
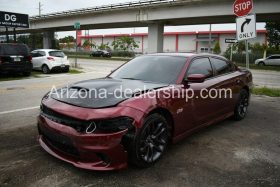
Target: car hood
(261, 59)
(101, 93)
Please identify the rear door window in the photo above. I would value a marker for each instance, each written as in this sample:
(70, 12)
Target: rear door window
(57, 54)
(201, 66)
(221, 66)
(14, 49)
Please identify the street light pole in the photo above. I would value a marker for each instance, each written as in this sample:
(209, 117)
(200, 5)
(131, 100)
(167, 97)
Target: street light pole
(40, 8)
(210, 39)
(76, 48)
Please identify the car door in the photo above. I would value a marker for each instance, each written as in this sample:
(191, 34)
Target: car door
(269, 60)
(229, 84)
(42, 58)
(203, 108)
(275, 60)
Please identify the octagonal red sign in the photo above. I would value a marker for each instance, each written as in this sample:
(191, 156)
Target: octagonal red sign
(242, 7)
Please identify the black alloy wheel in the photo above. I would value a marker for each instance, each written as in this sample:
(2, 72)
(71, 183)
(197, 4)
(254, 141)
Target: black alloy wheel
(152, 141)
(241, 108)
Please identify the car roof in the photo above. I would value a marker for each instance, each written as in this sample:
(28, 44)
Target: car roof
(186, 55)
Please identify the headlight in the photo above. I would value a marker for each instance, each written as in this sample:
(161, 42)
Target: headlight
(115, 124)
(46, 96)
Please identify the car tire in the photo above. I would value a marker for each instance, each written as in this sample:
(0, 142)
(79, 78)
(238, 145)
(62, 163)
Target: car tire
(45, 69)
(26, 74)
(261, 64)
(66, 70)
(151, 141)
(241, 107)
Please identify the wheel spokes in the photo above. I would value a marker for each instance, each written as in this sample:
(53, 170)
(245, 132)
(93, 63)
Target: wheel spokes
(153, 141)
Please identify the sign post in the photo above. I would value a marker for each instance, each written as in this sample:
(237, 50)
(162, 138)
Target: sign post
(245, 30)
(77, 26)
(245, 23)
(247, 54)
(231, 41)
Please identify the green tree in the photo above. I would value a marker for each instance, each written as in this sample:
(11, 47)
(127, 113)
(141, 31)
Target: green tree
(86, 44)
(257, 48)
(67, 39)
(241, 47)
(23, 39)
(125, 43)
(273, 34)
(104, 46)
(217, 48)
(33, 40)
(93, 45)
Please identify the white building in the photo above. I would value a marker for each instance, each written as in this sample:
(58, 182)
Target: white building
(177, 41)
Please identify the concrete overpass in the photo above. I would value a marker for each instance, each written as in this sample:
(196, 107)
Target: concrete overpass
(152, 14)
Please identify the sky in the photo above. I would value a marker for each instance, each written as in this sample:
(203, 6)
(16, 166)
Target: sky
(31, 7)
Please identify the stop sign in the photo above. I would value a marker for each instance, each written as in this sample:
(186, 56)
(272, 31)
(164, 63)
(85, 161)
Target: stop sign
(242, 7)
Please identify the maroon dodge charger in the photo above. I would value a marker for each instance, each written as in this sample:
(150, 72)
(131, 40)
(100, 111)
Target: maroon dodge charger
(131, 115)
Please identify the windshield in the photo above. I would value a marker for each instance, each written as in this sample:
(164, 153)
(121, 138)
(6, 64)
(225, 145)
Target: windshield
(14, 49)
(161, 69)
(57, 54)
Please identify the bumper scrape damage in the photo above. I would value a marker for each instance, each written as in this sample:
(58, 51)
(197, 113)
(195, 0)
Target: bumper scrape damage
(99, 144)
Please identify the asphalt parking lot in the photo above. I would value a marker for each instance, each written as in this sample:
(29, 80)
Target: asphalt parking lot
(244, 153)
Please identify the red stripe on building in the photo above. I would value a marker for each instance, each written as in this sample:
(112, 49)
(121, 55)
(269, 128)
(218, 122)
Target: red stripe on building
(168, 33)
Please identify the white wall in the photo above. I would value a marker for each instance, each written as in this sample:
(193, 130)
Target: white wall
(187, 43)
(169, 43)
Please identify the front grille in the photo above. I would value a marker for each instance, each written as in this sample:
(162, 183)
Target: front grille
(79, 125)
(58, 141)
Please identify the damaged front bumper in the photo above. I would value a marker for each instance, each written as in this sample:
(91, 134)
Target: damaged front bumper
(87, 151)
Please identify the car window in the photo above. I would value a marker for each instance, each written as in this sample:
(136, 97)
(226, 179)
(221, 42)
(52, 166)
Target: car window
(274, 57)
(14, 49)
(152, 68)
(200, 66)
(34, 54)
(270, 57)
(221, 66)
(41, 53)
(57, 54)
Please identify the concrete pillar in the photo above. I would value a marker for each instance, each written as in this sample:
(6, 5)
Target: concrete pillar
(48, 40)
(155, 38)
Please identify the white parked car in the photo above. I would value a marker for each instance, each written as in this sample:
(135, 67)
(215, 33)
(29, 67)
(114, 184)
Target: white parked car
(50, 60)
(273, 60)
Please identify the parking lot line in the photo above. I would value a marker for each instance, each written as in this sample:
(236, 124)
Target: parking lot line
(19, 110)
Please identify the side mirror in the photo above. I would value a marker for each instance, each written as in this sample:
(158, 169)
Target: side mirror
(196, 78)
